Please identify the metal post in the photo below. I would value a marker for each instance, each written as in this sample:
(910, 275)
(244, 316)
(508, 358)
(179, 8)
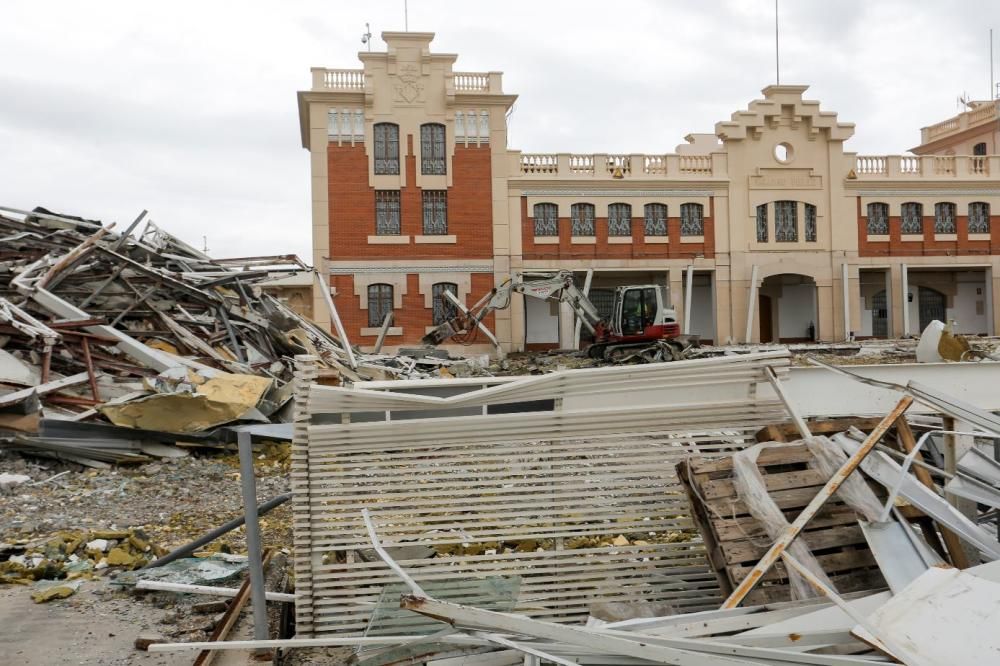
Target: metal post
(249, 487)
(751, 303)
(324, 289)
(586, 292)
(905, 281)
(847, 302)
(688, 291)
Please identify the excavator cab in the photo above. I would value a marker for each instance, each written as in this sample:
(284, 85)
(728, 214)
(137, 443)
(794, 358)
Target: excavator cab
(640, 311)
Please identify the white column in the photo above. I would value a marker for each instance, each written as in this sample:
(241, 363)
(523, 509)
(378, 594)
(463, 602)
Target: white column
(688, 291)
(906, 299)
(751, 303)
(847, 303)
(586, 292)
(988, 298)
(566, 317)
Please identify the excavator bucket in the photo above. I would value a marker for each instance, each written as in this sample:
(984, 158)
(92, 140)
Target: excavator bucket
(439, 334)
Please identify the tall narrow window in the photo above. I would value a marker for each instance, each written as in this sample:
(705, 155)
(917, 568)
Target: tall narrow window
(762, 223)
(810, 223)
(386, 149)
(444, 309)
(581, 219)
(692, 220)
(546, 219)
(387, 212)
(432, 149)
(979, 217)
(435, 212)
(944, 218)
(619, 219)
(379, 303)
(912, 218)
(656, 219)
(878, 219)
(786, 221)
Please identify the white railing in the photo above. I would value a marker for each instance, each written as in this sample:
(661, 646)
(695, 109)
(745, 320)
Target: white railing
(869, 164)
(619, 165)
(926, 166)
(342, 79)
(985, 112)
(540, 163)
(581, 164)
(695, 164)
(472, 82)
(654, 164)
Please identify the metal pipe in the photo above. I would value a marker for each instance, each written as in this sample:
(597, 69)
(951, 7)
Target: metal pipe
(751, 303)
(248, 483)
(688, 292)
(847, 301)
(187, 549)
(579, 322)
(905, 288)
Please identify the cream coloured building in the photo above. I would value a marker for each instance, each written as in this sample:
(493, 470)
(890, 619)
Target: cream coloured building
(774, 229)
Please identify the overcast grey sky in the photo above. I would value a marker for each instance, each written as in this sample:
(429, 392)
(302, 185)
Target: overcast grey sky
(188, 108)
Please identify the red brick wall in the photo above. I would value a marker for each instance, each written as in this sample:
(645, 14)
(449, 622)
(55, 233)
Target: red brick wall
(352, 207)
(637, 249)
(928, 247)
(413, 317)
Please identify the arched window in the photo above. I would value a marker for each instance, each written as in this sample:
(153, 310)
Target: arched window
(656, 219)
(979, 217)
(979, 149)
(581, 217)
(878, 219)
(810, 223)
(444, 309)
(432, 149)
(546, 217)
(762, 223)
(619, 219)
(386, 149)
(912, 219)
(786, 221)
(692, 220)
(944, 218)
(379, 303)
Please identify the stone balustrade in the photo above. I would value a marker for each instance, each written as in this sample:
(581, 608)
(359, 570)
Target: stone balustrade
(620, 166)
(875, 167)
(477, 82)
(338, 79)
(985, 112)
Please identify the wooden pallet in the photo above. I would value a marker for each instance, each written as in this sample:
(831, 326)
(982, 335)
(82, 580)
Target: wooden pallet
(735, 540)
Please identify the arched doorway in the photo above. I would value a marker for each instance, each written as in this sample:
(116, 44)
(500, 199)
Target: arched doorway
(932, 305)
(787, 306)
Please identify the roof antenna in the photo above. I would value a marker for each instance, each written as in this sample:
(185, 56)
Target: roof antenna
(366, 37)
(406, 16)
(777, 62)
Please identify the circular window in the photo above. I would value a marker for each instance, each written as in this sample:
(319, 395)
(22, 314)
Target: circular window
(783, 152)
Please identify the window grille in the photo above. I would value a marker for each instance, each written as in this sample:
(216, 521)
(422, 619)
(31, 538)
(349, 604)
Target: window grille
(656, 219)
(878, 219)
(944, 218)
(692, 220)
(912, 219)
(386, 149)
(979, 217)
(432, 150)
(546, 219)
(387, 212)
(582, 219)
(786, 222)
(810, 223)
(435, 212)
(619, 219)
(379, 303)
(762, 223)
(444, 309)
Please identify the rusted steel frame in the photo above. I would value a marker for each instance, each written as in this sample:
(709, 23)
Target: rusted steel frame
(71, 400)
(228, 620)
(46, 364)
(792, 531)
(85, 346)
(74, 255)
(951, 541)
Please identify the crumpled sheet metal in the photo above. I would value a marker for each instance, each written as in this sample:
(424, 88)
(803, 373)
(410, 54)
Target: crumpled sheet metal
(219, 400)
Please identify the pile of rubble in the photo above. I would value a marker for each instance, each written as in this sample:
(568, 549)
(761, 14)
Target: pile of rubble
(113, 345)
